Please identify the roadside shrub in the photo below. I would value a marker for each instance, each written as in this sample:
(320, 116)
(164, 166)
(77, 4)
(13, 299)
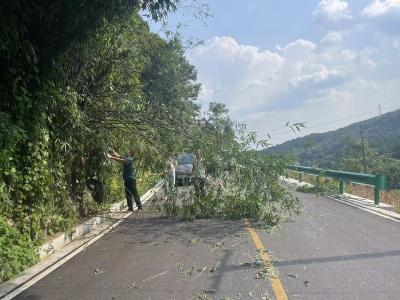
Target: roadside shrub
(17, 251)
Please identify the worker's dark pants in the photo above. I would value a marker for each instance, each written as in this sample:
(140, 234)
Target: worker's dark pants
(199, 187)
(131, 191)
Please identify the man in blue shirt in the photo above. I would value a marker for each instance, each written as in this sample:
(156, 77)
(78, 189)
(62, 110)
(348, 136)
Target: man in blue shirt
(129, 175)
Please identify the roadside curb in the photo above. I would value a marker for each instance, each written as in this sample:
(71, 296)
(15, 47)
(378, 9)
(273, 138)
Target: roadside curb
(65, 246)
(354, 201)
(366, 207)
(63, 239)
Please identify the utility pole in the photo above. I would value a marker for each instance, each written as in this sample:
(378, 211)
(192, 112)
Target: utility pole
(363, 149)
(380, 110)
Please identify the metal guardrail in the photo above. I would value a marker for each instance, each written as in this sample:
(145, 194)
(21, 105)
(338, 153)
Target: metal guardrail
(379, 182)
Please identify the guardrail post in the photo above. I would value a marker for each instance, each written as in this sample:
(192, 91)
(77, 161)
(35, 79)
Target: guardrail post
(377, 195)
(380, 184)
(341, 186)
(318, 181)
(300, 177)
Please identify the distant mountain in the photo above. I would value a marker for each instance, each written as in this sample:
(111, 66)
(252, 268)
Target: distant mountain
(382, 134)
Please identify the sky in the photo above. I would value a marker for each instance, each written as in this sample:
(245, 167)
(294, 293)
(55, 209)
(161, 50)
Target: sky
(327, 63)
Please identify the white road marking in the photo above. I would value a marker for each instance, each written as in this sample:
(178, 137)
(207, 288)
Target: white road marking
(10, 291)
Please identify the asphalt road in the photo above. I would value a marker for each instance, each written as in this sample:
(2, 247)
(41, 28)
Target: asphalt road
(331, 251)
(335, 251)
(148, 257)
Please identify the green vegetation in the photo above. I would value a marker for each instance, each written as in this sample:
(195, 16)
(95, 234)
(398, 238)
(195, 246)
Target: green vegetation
(244, 184)
(17, 251)
(324, 188)
(342, 149)
(78, 77)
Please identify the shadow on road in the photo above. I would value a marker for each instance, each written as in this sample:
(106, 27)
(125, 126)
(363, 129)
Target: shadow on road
(338, 258)
(149, 227)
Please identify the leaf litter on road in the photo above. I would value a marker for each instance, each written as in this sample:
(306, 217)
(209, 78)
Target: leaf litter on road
(219, 244)
(263, 250)
(214, 268)
(198, 296)
(208, 291)
(246, 264)
(179, 266)
(191, 271)
(134, 285)
(267, 272)
(192, 242)
(201, 271)
(98, 271)
(265, 297)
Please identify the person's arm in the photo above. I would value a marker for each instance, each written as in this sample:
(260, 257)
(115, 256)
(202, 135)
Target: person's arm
(116, 158)
(114, 153)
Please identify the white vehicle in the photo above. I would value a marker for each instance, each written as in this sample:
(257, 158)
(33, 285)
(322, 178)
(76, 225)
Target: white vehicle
(184, 169)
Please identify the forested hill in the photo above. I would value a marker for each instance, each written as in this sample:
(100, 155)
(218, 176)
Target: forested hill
(382, 136)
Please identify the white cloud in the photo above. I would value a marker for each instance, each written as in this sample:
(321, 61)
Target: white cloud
(348, 55)
(298, 49)
(338, 107)
(379, 16)
(383, 16)
(314, 73)
(227, 49)
(333, 37)
(366, 56)
(251, 79)
(238, 72)
(380, 8)
(302, 81)
(332, 10)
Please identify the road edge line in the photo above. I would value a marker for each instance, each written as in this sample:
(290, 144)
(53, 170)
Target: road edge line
(12, 291)
(60, 261)
(367, 209)
(356, 204)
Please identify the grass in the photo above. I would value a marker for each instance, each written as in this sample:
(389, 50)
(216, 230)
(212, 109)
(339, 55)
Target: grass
(391, 197)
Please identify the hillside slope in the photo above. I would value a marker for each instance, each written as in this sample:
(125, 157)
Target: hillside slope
(382, 134)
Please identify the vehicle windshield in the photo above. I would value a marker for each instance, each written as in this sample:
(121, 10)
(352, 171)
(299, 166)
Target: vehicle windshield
(185, 159)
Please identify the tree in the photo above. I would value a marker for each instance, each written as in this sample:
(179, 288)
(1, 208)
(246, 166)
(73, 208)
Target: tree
(79, 77)
(244, 184)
